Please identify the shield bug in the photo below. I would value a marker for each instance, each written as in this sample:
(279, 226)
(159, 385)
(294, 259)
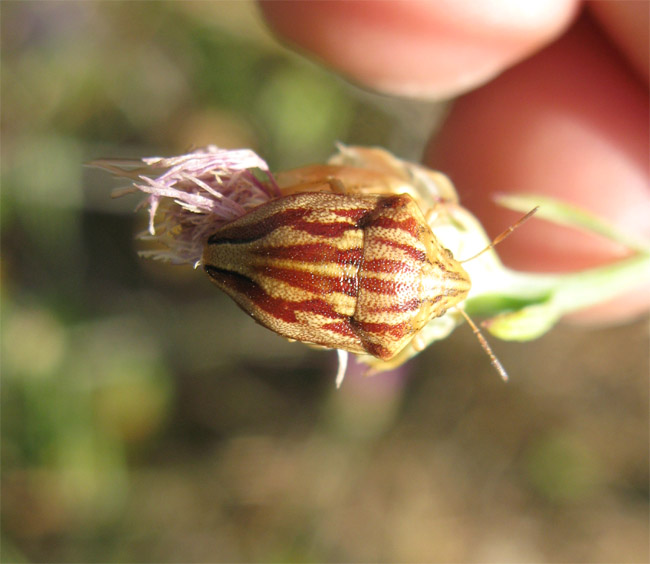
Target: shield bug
(358, 272)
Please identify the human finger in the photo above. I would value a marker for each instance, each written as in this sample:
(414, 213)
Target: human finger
(570, 123)
(420, 48)
(628, 25)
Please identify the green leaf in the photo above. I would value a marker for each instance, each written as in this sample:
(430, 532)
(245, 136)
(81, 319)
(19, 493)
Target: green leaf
(524, 325)
(566, 214)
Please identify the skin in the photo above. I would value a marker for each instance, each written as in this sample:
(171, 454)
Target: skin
(547, 101)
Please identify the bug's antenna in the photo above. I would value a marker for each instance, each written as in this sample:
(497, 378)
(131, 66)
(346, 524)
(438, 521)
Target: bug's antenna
(486, 347)
(503, 235)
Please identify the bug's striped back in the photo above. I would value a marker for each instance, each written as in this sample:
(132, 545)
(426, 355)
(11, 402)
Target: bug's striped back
(348, 272)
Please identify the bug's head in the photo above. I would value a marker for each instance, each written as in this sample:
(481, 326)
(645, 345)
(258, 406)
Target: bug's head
(444, 282)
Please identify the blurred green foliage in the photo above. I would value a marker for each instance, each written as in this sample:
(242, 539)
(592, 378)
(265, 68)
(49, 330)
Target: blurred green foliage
(144, 418)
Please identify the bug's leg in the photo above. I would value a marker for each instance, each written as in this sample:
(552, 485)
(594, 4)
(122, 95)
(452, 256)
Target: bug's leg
(418, 343)
(343, 366)
(336, 185)
(432, 214)
(439, 213)
(432, 186)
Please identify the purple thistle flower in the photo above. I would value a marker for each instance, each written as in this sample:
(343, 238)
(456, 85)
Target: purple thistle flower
(190, 196)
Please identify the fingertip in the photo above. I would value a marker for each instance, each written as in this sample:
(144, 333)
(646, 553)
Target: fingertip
(420, 48)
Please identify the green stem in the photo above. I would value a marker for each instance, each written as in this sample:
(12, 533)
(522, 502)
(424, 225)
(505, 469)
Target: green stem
(565, 293)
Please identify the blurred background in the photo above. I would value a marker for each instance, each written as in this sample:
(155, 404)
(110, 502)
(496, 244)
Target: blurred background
(145, 418)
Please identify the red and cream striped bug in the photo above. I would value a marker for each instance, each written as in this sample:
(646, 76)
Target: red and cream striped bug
(343, 260)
